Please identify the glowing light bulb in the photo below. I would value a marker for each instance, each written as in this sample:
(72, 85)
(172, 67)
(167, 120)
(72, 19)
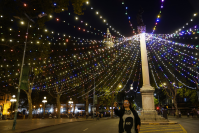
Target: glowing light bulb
(50, 16)
(76, 18)
(87, 2)
(195, 14)
(97, 12)
(22, 22)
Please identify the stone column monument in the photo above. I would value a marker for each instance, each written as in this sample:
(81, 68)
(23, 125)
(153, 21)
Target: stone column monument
(147, 91)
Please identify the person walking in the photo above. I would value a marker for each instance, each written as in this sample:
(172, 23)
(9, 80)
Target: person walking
(129, 121)
(179, 113)
(87, 114)
(188, 114)
(192, 113)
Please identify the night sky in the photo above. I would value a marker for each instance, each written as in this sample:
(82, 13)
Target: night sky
(175, 14)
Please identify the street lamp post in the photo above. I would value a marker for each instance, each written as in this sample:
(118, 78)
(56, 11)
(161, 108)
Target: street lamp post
(20, 78)
(12, 100)
(70, 102)
(40, 109)
(44, 101)
(34, 110)
(94, 93)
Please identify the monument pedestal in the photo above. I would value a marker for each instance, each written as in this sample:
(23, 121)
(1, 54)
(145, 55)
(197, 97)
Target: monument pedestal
(149, 114)
(147, 97)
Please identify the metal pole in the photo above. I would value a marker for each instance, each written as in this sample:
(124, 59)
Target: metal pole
(94, 96)
(20, 78)
(11, 110)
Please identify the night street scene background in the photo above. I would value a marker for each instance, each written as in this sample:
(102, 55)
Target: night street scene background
(64, 61)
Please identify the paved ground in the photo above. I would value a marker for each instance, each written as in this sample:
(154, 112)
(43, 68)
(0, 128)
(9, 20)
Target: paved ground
(191, 125)
(107, 126)
(24, 125)
(175, 128)
(185, 125)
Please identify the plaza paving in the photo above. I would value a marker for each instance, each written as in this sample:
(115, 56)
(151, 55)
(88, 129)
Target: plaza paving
(105, 125)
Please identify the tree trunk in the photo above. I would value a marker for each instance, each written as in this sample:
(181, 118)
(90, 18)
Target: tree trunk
(175, 106)
(58, 105)
(107, 108)
(112, 99)
(28, 93)
(74, 108)
(86, 103)
(67, 107)
(29, 104)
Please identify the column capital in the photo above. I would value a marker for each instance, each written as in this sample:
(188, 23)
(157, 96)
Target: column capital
(141, 29)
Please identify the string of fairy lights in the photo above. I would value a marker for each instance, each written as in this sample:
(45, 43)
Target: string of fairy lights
(158, 17)
(40, 59)
(168, 71)
(172, 59)
(74, 95)
(122, 82)
(129, 18)
(193, 17)
(104, 78)
(105, 21)
(166, 58)
(105, 82)
(190, 46)
(176, 51)
(99, 57)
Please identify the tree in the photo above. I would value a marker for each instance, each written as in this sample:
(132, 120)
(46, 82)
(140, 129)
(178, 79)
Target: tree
(34, 51)
(155, 101)
(192, 94)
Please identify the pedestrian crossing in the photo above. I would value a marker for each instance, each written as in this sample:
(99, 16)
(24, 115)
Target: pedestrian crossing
(175, 128)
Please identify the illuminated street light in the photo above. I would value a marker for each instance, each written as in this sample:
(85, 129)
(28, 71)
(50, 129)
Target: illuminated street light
(44, 101)
(131, 87)
(21, 71)
(12, 100)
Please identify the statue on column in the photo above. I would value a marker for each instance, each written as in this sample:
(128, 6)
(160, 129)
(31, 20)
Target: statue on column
(139, 17)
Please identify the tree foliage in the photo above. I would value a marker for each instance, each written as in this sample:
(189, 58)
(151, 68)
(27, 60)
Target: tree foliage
(155, 101)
